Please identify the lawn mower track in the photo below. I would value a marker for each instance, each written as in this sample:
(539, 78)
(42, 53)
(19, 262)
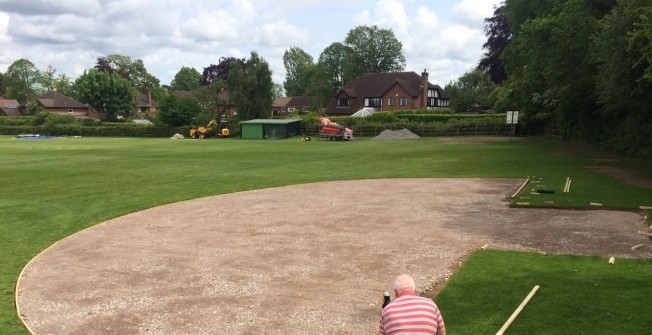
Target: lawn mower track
(301, 259)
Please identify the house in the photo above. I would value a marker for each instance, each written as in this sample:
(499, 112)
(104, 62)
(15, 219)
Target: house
(58, 103)
(144, 103)
(10, 108)
(388, 92)
(286, 105)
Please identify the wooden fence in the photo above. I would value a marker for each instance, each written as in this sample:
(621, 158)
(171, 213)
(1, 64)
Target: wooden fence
(428, 130)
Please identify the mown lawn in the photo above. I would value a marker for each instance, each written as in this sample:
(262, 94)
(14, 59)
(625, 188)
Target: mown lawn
(53, 188)
(577, 295)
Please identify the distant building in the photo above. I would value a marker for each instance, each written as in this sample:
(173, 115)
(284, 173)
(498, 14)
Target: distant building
(144, 103)
(287, 105)
(58, 103)
(10, 108)
(388, 92)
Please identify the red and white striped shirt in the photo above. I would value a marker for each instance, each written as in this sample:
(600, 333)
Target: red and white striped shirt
(411, 314)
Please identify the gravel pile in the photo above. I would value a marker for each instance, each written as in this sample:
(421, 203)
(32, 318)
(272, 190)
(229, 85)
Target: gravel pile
(391, 135)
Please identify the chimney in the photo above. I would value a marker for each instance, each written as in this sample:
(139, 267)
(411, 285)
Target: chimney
(424, 93)
(149, 96)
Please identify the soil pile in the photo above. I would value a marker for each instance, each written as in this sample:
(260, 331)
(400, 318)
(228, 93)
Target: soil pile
(391, 135)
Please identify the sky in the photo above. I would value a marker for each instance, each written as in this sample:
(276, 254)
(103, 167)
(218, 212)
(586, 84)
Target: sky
(443, 36)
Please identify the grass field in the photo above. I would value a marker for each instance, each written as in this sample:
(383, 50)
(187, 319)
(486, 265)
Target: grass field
(53, 188)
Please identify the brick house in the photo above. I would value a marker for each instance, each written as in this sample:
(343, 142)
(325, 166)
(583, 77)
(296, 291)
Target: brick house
(388, 92)
(144, 103)
(58, 103)
(10, 107)
(286, 105)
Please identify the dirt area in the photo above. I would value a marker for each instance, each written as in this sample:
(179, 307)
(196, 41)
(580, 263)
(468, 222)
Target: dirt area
(304, 259)
(626, 176)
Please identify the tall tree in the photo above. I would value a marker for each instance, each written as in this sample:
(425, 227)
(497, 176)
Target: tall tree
(48, 79)
(375, 50)
(337, 64)
(187, 79)
(63, 84)
(498, 37)
(296, 61)
(108, 94)
(22, 81)
(548, 61)
(131, 69)
(623, 50)
(251, 88)
(220, 70)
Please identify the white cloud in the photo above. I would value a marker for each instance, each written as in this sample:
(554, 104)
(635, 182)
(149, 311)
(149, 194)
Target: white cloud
(472, 13)
(283, 34)
(4, 27)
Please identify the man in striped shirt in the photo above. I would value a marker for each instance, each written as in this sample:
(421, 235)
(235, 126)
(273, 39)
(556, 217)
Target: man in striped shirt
(409, 313)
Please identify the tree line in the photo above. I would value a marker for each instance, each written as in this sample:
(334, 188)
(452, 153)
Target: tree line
(109, 86)
(580, 70)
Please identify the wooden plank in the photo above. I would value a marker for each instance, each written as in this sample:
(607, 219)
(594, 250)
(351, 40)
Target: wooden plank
(644, 233)
(521, 188)
(638, 246)
(518, 311)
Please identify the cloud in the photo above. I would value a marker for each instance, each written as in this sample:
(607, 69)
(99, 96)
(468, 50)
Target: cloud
(445, 36)
(472, 13)
(4, 28)
(49, 7)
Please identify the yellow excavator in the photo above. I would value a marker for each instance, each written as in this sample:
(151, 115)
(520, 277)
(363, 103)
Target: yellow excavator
(205, 132)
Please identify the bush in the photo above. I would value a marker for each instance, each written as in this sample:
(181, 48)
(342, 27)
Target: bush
(17, 120)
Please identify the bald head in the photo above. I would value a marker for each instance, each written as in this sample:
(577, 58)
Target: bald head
(403, 284)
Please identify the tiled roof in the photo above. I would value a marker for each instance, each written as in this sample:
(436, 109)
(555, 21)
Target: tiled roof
(301, 101)
(281, 102)
(141, 100)
(58, 100)
(9, 107)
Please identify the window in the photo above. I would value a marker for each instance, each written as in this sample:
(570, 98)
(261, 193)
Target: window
(390, 102)
(290, 109)
(373, 102)
(69, 111)
(343, 102)
(403, 101)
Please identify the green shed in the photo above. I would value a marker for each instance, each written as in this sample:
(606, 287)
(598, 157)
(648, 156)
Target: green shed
(269, 129)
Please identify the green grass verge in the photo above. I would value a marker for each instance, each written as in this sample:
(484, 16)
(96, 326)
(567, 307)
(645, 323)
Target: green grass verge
(53, 188)
(577, 295)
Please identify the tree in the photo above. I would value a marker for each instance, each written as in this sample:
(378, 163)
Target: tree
(375, 50)
(295, 61)
(48, 79)
(221, 70)
(251, 88)
(187, 79)
(178, 111)
(277, 90)
(337, 65)
(108, 94)
(22, 81)
(499, 35)
(472, 90)
(622, 49)
(63, 84)
(214, 98)
(132, 70)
